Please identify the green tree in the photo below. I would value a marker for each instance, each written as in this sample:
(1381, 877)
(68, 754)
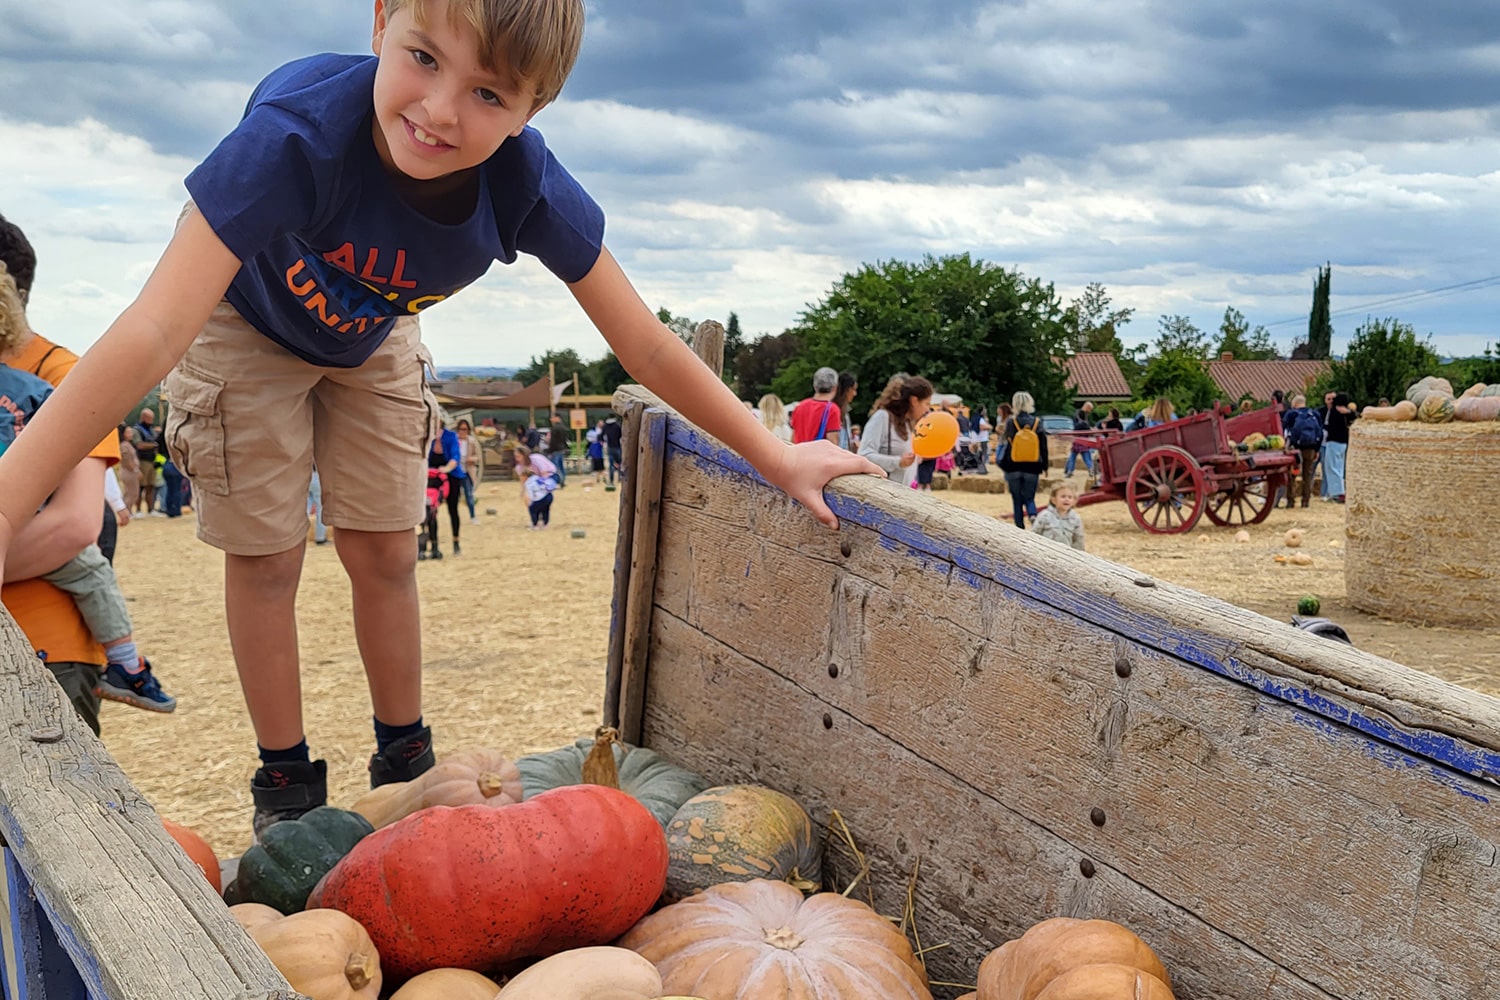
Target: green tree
(734, 343)
(1384, 357)
(680, 325)
(1236, 337)
(566, 360)
(1176, 335)
(757, 363)
(604, 374)
(1319, 322)
(968, 326)
(1183, 379)
(1092, 325)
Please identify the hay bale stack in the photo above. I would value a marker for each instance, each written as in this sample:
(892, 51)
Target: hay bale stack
(977, 484)
(1421, 545)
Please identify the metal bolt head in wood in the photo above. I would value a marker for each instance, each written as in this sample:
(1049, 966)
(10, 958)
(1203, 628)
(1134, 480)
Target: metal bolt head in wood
(845, 548)
(1122, 667)
(827, 721)
(1096, 816)
(1086, 867)
(833, 670)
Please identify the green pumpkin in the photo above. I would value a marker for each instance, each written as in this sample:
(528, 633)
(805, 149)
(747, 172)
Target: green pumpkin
(735, 833)
(293, 855)
(1309, 605)
(659, 786)
(1435, 408)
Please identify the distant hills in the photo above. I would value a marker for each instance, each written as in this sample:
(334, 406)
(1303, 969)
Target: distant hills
(453, 374)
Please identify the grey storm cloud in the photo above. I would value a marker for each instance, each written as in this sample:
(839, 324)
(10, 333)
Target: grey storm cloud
(853, 89)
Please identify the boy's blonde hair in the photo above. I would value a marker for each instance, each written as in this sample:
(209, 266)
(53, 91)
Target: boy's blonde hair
(535, 42)
(1064, 488)
(12, 313)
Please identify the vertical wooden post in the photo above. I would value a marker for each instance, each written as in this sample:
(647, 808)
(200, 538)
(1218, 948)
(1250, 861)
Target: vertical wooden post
(625, 534)
(708, 344)
(650, 461)
(551, 383)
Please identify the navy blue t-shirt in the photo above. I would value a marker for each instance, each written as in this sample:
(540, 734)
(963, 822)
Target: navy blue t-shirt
(21, 395)
(332, 255)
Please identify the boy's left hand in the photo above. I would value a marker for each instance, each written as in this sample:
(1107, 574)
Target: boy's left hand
(806, 468)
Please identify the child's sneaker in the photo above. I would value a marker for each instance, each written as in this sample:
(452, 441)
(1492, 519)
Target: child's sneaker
(403, 760)
(286, 790)
(456, 550)
(141, 689)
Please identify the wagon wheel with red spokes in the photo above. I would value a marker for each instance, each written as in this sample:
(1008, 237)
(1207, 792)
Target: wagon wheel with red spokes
(1244, 501)
(1165, 491)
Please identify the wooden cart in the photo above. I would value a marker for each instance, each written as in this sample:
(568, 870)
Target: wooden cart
(1279, 815)
(1172, 474)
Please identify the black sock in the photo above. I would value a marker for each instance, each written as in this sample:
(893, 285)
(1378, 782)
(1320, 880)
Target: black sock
(296, 754)
(385, 735)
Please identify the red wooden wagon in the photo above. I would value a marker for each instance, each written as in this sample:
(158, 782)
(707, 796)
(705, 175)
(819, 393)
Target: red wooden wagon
(1174, 473)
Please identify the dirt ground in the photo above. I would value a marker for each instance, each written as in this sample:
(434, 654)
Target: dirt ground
(516, 630)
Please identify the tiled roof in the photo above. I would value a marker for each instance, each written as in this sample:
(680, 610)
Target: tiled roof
(1096, 375)
(1258, 379)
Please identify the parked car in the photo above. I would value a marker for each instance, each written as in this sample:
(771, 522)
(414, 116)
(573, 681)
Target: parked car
(1054, 422)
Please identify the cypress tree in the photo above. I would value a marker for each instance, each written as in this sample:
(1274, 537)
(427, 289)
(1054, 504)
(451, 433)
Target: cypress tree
(1319, 323)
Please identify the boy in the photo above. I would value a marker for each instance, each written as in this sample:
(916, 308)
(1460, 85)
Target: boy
(1060, 522)
(355, 193)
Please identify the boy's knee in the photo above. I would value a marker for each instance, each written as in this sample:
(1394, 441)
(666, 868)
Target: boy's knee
(269, 576)
(385, 556)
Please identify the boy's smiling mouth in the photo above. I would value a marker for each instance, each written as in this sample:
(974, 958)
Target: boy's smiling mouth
(422, 137)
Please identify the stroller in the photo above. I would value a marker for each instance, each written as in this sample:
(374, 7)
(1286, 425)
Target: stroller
(437, 495)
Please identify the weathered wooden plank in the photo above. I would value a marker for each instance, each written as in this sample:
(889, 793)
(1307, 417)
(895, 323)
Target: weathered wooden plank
(624, 533)
(708, 344)
(650, 457)
(1390, 702)
(1249, 804)
(986, 871)
(135, 916)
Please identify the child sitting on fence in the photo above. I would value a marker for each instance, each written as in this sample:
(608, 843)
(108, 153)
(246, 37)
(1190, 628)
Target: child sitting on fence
(536, 494)
(1060, 521)
(88, 577)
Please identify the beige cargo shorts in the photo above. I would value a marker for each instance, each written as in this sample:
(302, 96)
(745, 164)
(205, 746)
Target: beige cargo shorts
(248, 419)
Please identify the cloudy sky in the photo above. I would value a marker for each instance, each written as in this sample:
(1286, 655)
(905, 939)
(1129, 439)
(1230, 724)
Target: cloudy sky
(749, 152)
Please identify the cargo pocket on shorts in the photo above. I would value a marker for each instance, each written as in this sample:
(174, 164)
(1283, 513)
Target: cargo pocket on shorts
(195, 429)
(434, 409)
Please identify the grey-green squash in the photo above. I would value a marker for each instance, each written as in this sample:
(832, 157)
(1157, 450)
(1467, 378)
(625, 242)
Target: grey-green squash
(660, 786)
(735, 833)
(293, 855)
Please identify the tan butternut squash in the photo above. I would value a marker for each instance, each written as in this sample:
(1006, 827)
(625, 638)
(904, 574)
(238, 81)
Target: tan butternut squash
(587, 974)
(252, 915)
(324, 954)
(448, 984)
(1106, 982)
(1404, 410)
(466, 778)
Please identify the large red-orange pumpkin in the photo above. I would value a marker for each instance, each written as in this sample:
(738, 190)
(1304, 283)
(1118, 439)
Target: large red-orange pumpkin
(198, 852)
(471, 887)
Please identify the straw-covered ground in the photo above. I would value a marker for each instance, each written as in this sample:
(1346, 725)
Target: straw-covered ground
(516, 629)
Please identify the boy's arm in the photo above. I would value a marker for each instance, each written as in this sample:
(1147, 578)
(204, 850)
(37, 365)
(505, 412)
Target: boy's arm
(64, 528)
(133, 355)
(661, 362)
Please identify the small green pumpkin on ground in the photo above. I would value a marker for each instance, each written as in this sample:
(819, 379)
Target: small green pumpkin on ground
(1309, 605)
(735, 833)
(293, 855)
(658, 785)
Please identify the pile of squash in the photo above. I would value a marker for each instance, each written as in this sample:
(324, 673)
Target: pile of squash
(1431, 400)
(603, 872)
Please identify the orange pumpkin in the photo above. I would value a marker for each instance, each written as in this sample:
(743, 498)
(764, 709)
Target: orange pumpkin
(748, 940)
(1025, 968)
(735, 833)
(198, 852)
(1106, 982)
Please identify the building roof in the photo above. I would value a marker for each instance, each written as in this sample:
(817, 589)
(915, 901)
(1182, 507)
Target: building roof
(1096, 375)
(1258, 379)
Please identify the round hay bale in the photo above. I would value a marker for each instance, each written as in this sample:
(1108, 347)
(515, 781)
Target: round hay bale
(1414, 554)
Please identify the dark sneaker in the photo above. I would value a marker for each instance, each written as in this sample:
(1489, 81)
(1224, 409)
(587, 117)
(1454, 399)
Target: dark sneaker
(286, 790)
(142, 689)
(437, 553)
(402, 760)
(456, 550)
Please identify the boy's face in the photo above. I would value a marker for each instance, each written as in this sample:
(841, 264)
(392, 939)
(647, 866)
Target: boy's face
(1064, 500)
(437, 110)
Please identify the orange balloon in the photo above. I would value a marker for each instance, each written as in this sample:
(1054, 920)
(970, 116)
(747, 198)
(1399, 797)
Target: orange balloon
(935, 434)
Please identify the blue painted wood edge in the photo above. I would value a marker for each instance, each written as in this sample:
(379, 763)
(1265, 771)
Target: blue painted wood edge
(1154, 632)
(45, 971)
(85, 966)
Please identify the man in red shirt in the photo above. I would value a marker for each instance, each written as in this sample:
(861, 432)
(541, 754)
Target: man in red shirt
(818, 417)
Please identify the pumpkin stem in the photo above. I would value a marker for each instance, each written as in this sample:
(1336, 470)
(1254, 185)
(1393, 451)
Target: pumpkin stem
(599, 767)
(490, 785)
(357, 972)
(784, 938)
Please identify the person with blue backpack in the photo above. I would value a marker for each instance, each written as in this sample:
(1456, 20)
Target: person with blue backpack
(1304, 432)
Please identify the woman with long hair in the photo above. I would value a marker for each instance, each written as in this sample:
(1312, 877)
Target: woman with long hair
(886, 437)
(1161, 412)
(773, 415)
(1024, 465)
